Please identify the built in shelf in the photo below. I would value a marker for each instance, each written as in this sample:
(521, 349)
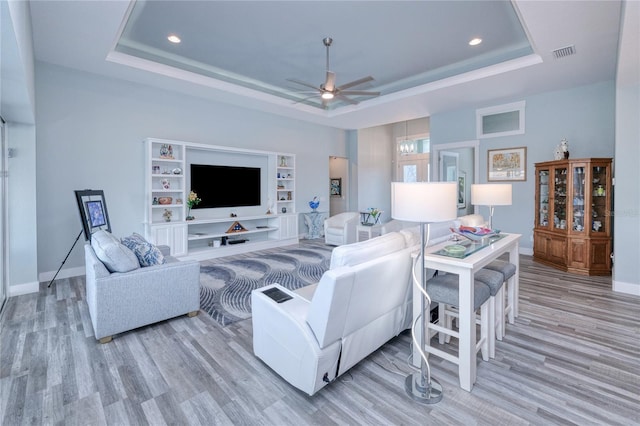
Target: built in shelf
(204, 236)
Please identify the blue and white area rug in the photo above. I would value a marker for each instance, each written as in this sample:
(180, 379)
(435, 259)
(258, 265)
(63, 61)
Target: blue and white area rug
(226, 283)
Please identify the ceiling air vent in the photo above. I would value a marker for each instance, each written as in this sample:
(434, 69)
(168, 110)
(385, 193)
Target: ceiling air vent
(564, 52)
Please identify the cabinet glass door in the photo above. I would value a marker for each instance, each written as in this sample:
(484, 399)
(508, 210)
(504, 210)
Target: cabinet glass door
(599, 200)
(560, 198)
(578, 209)
(543, 198)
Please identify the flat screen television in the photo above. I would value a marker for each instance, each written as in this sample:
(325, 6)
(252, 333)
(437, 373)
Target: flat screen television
(225, 186)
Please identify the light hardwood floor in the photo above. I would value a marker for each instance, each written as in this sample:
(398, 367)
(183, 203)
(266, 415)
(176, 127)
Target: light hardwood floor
(573, 357)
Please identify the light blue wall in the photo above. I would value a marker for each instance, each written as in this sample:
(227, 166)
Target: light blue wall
(626, 246)
(584, 116)
(89, 135)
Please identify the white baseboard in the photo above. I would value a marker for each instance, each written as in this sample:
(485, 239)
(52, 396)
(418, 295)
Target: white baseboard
(526, 251)
(26, 288)
(64, 273)
(627, 288)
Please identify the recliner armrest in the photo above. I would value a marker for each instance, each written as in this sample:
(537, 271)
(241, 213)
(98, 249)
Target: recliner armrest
(284, 341)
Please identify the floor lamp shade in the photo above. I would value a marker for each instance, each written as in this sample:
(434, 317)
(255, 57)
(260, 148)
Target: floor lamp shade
(497, 194)
(424, 201)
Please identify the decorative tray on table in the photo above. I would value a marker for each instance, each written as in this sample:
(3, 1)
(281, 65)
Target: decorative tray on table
(475, 239)
(476, 233)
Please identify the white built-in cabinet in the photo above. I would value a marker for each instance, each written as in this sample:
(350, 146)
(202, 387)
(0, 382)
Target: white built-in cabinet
(273, 224)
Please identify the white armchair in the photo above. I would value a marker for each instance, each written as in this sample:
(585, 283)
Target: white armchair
(341, 228)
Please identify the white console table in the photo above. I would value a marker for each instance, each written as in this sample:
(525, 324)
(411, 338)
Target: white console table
(315, 224)
(465, 268)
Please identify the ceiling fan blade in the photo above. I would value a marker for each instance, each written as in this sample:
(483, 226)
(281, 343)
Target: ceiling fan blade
(330, 82)
(359, 92)
(355, 82)
(346, 99)
(293, 80)
(306, 99)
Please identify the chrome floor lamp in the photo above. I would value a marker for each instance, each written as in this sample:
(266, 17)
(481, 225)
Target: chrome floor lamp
(423, 202)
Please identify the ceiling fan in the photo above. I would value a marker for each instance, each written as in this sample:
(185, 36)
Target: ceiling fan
(328, 90)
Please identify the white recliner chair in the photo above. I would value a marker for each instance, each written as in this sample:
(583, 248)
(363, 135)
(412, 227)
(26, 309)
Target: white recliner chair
(341, 228)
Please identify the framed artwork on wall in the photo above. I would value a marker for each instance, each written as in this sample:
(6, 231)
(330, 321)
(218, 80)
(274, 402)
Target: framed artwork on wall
(508, 164)
(462, 190)
(335, 187)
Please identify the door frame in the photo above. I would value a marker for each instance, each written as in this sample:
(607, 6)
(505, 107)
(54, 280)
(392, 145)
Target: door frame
(435, 159)
(4, 227)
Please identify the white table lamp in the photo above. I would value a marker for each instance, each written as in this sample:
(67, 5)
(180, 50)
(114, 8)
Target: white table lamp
(423, 202)
(498, 194)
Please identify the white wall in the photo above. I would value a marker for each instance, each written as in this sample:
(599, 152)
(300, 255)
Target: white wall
(375, 156)
(89, 135)
(375, 159)
(626, 274)
(583, 115)
(17, 107)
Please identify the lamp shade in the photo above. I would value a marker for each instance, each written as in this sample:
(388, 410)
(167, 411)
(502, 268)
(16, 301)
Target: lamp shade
(498, 194)
(424, 201)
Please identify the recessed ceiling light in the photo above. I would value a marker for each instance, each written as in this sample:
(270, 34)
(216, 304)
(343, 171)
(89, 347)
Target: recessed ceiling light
(174, 38)
(475, 41)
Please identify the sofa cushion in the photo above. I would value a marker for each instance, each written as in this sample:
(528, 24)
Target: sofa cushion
(411, 235)
(356, 253)
(147, 253)
(114, 255)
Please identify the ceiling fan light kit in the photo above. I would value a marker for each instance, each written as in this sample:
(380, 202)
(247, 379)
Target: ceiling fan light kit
(328, 90)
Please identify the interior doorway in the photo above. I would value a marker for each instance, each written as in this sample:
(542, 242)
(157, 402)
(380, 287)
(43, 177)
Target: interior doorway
(338, 185)
(458, 161)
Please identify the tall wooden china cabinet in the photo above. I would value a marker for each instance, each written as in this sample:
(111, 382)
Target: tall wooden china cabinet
(573, 215)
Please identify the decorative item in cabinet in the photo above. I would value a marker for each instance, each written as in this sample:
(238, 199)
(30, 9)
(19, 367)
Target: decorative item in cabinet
(578, 198)
(543, 199)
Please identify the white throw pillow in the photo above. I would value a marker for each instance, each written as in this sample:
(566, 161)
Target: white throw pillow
(115, 256)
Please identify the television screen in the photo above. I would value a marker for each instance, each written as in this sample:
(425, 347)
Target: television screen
(225, 186)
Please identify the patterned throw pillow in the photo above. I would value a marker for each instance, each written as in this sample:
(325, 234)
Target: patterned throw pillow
(147, 253)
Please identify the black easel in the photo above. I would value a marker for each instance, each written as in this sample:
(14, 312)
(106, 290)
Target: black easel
(65, 259)
(88, 200)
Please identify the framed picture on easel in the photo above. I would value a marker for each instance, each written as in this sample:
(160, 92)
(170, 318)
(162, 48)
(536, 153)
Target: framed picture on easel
(93, 211)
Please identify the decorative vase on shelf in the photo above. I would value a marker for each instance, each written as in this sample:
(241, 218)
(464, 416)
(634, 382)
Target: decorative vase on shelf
(192, 200)
(314, 204)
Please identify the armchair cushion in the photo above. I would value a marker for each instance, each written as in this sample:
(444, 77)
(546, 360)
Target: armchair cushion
(114, 255)
(341, 228)
(147, 253)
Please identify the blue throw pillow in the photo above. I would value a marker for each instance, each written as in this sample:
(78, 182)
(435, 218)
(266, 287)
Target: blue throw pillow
(147, 253)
